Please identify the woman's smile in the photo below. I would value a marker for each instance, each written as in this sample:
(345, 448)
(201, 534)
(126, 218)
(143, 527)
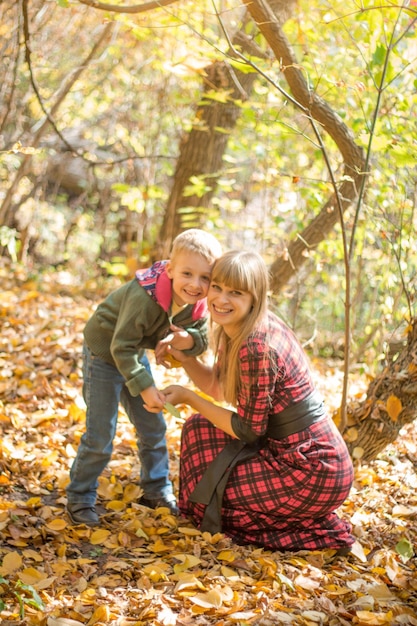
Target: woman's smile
(228, 306)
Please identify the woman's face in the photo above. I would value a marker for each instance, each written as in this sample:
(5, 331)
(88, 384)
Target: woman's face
(228, 307)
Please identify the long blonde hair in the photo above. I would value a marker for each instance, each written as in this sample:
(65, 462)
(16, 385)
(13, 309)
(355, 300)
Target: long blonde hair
(243, 271)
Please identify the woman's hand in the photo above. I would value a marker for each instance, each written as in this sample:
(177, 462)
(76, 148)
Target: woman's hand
(217, 415)
(176, 394)
(168, 351)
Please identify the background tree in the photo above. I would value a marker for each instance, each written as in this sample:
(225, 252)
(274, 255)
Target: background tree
(112, 165)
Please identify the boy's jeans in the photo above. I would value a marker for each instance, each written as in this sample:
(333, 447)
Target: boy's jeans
(103, 389)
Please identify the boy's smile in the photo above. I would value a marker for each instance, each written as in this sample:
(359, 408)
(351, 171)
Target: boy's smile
(190, 275)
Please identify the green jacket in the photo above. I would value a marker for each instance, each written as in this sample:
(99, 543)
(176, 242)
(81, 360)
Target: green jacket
(132, 319)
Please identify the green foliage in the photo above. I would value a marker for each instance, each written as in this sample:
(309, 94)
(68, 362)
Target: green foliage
(9, 239)
(135, 102)
(405, 549)
(25, 594)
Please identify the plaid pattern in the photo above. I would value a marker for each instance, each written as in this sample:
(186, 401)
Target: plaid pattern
(282, 499)
(275, 373)
(285, 497)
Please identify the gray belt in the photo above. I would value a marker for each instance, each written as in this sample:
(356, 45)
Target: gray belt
(210, 489)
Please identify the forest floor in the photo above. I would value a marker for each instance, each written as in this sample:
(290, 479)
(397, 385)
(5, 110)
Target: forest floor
(147, 567)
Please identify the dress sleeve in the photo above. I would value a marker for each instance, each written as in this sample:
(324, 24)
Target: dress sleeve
(259, 375)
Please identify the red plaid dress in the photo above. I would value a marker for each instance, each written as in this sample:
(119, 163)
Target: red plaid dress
(284, 497)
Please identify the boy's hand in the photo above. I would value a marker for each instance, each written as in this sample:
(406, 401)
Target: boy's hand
(168, 350)
(170, 357)
(153, 400)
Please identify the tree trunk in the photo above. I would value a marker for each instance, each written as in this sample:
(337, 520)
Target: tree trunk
(201, 150)
(390, 404)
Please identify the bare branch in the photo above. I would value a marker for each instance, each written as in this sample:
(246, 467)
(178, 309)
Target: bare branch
(136, 8)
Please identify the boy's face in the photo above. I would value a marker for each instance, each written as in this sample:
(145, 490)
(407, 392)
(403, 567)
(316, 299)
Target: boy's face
(190, 275)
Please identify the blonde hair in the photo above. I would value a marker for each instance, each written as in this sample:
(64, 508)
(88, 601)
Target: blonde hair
(243, 271)
(199, 242)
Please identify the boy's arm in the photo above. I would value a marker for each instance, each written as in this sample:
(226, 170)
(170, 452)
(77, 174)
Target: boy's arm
(199, 335)
(138, 316)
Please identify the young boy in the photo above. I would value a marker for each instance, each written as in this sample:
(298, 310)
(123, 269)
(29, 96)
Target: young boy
(168, 299)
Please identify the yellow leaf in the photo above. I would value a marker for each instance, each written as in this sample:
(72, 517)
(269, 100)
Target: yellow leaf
(337, 417)
(160, 546)
(132, 493)
(213, 599)
(63, 621)
(156, 571)
(99, 536)
(394, 407)
(358, 452)
(381, 592)
(141, 533)
(374, 619)
(189, 531)
(32, 554)
(123, 538)
(404, 511)
(351, 435)
(412, 368)
(76, 413)
(34, 502)
(187, 562)
(116, 505)
(335, 590)
(31, 576)
(358, 551)
(188, 581)
(43, 584)
(56, 524)
(12, 561)
(101, 614)
(227, 555)
(228, 572)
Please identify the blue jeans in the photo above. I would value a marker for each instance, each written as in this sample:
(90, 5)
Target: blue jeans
(103, 388)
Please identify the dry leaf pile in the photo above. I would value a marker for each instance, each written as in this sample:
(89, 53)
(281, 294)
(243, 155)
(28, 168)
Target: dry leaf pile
(148, 567)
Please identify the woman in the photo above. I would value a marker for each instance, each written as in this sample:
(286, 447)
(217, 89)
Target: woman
(273, 471)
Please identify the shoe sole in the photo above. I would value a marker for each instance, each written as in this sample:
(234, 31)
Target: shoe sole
(156, 505)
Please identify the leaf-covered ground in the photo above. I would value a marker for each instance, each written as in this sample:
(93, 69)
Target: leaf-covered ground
(148, 567)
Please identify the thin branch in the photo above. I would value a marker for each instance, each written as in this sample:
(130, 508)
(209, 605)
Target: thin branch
(28, 52)
(136, 8)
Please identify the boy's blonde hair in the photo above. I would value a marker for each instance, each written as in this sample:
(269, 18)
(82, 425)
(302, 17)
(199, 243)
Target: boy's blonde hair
(199, 242)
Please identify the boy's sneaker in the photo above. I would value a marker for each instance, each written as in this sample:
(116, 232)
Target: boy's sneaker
(168, 501)
(81, 514)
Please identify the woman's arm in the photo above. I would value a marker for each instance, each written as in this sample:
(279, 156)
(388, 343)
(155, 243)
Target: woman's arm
(218, 416)
(201, 374)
